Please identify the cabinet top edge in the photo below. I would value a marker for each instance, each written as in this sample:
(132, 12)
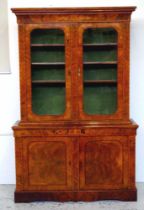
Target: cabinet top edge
(70, 10)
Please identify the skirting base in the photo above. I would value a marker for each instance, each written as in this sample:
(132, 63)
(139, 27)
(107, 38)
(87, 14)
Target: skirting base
(123, 195)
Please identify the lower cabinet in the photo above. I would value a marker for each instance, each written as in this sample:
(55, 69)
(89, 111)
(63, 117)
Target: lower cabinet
(72, 168)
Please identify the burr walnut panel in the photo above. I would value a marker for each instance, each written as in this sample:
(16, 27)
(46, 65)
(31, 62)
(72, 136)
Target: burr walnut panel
(48, 163)
(102, 164)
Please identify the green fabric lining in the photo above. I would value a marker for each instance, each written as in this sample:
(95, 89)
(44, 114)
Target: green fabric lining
(47, 55)
(48, 73)
(47, 36)
(48, 100)
(100, 35)
(100, 55)
(100, 99)
(100, 73)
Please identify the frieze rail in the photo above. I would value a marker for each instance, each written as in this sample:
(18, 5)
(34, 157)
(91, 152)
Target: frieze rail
(74, 132)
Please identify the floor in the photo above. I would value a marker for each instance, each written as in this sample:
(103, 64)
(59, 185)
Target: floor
(7, 203)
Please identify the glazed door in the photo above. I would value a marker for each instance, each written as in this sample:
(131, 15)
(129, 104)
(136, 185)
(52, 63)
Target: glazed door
(100, 72)
(49, 72)
(48, 163)
(102, 163)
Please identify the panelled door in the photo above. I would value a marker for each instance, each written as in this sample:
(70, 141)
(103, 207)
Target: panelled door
(102, 162)
(48, 163)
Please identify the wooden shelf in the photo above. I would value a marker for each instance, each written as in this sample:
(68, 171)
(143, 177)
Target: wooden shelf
(48, 82)
(63, 63)
(101, 63)
(85, 45)
(56, 82)
(48, 45)
(92, 82)
(101, 45)
(48, 63)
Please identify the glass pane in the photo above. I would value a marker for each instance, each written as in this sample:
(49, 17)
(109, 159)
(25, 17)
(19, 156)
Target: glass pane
(99, 99)
(100, 71)
(47, 54)
(48, 100)
(47, 36)
(100, 35)
(93, 54)
(48, 71)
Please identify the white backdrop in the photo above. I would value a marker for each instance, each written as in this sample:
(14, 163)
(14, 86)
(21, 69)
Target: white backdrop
(9, 84)
(4, 43)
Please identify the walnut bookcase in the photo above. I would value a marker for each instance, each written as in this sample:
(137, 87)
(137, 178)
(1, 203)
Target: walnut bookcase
(75, 141)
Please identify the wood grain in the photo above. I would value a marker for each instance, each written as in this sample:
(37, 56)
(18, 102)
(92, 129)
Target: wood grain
(75, 156)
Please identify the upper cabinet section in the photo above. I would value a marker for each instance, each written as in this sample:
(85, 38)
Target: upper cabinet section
(74, 64)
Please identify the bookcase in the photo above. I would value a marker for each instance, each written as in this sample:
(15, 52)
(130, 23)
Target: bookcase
(75, 140)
